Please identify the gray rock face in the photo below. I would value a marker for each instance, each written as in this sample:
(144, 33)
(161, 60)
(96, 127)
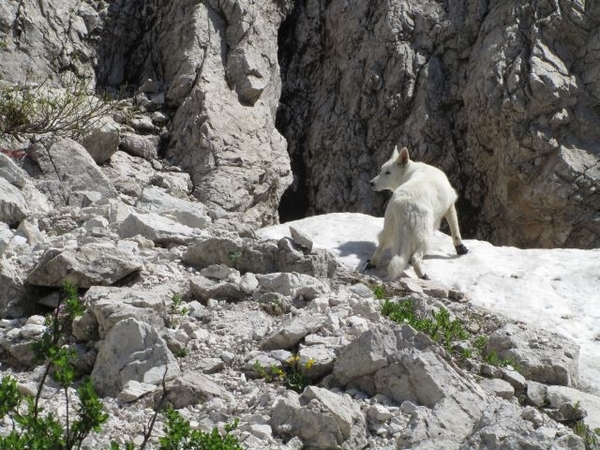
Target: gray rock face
(57, 37)
(500, 95)
(219, 61)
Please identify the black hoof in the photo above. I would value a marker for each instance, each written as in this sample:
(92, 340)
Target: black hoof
(425, 277)
(461, 249)
(368, 265)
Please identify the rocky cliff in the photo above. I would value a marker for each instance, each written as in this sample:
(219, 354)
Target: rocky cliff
(502, 95)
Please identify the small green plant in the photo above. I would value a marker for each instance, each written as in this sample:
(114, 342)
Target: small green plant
(440, 327)
(30, 428)
(591, 438)
(290, 374)
(492, 357)
(379, 292)
(179, 435)
(235, 255)
(176, 307)
(182, 353)
(27, 110)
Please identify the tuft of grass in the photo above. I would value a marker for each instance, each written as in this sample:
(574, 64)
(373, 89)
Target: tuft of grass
(440, 327)
(379, 292)
(591, 438)
(176, 305)
(492, 357)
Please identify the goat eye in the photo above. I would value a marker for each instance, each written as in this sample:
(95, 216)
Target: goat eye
(387, 172)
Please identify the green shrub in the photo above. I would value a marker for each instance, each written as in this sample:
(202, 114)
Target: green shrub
(33, 429)
(27, 110)
(180, 436)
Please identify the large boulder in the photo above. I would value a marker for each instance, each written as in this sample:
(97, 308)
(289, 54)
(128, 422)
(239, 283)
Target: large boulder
(19, 195)
(13, 207)
(160, 230)
(90, 264)
(259, 256)
(12, 291)
(132, 350)
(102, 139)
(188, 213)
(106, 306)
(541, 355)
(69, 172)
(321, 418)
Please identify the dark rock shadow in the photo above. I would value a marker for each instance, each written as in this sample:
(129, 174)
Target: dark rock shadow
(440, 256)
(363, 250)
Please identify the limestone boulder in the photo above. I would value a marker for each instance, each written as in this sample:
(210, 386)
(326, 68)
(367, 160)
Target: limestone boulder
(290, 284)
(90, 264)
(69, 172)
(101, 139)
(106, 306)
(160, 230)
(321, 418)
(128, 174)
(13, 206)
(290, 332)
(20, 197)
(188, 213)
(542, 356)
(259, 256)
(204, 288)
(191, 389)
(135, 351)
(12, 290)
(143, 146)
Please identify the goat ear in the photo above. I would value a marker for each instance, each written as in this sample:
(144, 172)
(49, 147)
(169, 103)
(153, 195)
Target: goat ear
(403, 157)
(395, 152)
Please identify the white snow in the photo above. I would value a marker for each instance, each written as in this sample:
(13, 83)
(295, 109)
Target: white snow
(554, 289)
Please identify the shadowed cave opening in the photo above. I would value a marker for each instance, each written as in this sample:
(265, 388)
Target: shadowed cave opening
(294, 202)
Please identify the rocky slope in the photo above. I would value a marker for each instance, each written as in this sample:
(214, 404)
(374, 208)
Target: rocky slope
(152, 211)
(173, 295)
